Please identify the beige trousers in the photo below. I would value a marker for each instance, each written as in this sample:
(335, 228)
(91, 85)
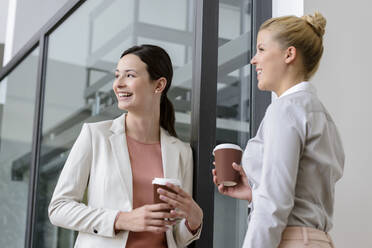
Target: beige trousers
(305, 237)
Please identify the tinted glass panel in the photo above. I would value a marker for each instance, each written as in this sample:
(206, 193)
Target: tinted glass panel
(16, 125)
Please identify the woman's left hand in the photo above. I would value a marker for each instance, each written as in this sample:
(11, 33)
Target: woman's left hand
(185, 206)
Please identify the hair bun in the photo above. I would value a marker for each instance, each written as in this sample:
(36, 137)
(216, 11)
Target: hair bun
(317, 21)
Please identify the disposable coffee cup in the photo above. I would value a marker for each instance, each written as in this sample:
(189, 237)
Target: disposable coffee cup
(224, 156)
(161, 183)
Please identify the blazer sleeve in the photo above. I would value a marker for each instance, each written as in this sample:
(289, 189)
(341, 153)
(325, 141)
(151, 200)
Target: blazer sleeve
(66, 208)
(181, 233)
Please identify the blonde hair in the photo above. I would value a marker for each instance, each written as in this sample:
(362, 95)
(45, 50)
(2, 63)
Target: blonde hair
(304, 33)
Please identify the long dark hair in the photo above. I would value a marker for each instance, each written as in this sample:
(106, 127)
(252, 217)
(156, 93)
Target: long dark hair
(159, 65)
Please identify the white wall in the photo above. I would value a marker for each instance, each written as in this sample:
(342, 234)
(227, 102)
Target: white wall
(3, 18)
(30, 17)
(344, 85)
(287, 7)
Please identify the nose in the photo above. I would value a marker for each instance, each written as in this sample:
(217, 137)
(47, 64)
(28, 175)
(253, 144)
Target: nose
(119, 82)
(254, 60)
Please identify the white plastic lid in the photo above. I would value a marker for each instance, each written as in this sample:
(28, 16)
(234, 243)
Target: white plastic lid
(227, 146)
(163, 181)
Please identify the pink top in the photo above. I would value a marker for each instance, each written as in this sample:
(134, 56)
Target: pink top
(146, 163)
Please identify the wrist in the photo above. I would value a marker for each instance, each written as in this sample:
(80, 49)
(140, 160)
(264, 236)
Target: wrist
(191, 228)
(116, 224)
(119, 221)
(195, 223)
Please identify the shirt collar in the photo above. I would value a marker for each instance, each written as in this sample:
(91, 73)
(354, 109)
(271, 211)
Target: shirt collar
(303, 86)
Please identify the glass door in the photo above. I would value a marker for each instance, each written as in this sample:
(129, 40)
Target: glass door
(233, 115)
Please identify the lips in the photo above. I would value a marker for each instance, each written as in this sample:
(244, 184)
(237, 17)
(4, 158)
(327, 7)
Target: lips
(124, 94)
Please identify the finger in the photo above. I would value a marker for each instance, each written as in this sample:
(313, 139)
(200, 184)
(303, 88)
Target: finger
(215, 180)
(172, 202)
(161, 222)
(239, 168)
(177, 189)
(214, 163)
(178, 214)
(161, 215)
(159, 207)
(177, 197)
(214, 177)
(221, 189)
(171, 222)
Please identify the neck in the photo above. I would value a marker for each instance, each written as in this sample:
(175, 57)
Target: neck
(290, 80)
(144, 128)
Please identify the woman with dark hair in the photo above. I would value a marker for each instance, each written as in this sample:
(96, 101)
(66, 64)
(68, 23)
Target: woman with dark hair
(115, 161)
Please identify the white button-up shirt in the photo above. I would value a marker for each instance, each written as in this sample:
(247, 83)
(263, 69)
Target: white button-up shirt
(292, 164)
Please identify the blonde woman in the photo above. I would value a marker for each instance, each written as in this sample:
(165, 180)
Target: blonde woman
(115, 161)
(291, 166)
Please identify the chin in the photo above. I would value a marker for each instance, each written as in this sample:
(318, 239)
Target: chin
(123, 107)
(261, 86)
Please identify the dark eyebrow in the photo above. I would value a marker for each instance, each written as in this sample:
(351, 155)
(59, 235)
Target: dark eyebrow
(129, 70)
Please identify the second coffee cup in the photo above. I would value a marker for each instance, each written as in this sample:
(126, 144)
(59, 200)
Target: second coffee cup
(161, 183)
(225, 155)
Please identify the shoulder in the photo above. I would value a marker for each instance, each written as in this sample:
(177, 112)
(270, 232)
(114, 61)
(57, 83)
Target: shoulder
(287, 115)
(99, 128)
(176, 141)
(183, 147)
(296, 106)
(284, 110)
(185, 154)
(100, 125)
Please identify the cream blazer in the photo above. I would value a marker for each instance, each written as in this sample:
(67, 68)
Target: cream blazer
(99, 164)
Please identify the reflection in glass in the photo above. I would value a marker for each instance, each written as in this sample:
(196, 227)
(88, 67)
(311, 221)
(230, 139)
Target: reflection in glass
(233, 99)
(16, 125)
(82, 56)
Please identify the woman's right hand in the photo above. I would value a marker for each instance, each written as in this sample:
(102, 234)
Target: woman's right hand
(148, 218)
(241, 190)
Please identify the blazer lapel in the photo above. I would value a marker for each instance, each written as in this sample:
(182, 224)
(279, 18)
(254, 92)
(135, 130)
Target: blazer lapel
(121, 155)
(170, 154)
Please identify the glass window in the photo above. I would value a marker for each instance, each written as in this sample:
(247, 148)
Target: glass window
(16, 125)
(233, 118)
(82, 56)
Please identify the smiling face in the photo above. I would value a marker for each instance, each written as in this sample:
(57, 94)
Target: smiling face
(133, 87)
(270, 61)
